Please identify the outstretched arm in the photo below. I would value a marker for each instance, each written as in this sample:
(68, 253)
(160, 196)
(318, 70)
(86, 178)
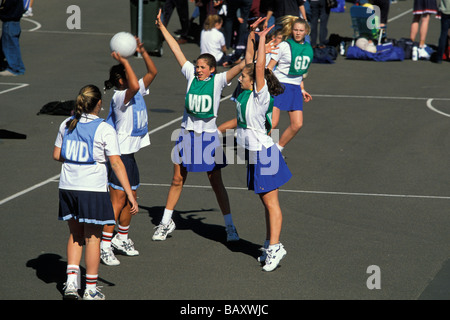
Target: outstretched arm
(173, 44)
(260, 65)
(151, 68)
(249, 53)
(133, 83)
(233, 72)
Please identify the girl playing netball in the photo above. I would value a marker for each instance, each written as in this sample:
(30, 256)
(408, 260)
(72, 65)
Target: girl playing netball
(197, 147)
(266, 169)
(292, 62)
(85, 143)
(128, 115)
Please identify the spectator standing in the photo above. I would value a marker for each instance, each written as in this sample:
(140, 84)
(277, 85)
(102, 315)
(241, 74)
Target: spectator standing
(444, 9)
(281, 8)
(320, 11)
(183, 14)
(11, 12)
(421, 15)
(244, 7)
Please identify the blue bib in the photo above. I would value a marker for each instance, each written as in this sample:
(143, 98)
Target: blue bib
(140, 117)
(78, 144)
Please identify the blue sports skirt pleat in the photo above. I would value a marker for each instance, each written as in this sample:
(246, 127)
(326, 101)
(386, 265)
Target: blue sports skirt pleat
(86, 207)
(266, 170)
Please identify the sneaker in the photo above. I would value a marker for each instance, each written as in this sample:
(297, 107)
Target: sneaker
(93, 294)
(125, 246)
(425, 52)
(108, 257)
(28, 13)
(232, 234)
(274, 256)
(163, 230)
(7, 73)
(71, 291)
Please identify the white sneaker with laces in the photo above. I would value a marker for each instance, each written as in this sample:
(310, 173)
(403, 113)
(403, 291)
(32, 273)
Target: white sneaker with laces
(274, 255)
(125, 246)
(108, 257)
(71, 291)
(93, 294)
(162, 230)
(232, 234)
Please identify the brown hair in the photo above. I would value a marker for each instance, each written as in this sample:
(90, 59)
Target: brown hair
(87, 100)
(288, 23)
(211, 20)
(209, 58)
(273, 84)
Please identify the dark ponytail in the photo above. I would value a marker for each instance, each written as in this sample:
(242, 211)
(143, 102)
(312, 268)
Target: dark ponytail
(116, 73)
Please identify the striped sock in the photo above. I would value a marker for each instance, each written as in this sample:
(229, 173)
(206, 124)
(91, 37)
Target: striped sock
(106, 239)
(91, 281)
(123, 232)
(73, 272)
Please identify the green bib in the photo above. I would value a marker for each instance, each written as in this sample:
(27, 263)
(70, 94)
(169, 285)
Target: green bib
(301, 56)
(241, 107)
(199, 100)
(269, 116)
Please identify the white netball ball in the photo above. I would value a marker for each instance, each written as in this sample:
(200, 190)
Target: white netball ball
(124, 43)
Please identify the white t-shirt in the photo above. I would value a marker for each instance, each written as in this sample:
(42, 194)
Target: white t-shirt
(212, 41)
(284, 63)
(124, 122)
(255, 136)
(199, 125)
(89, 177)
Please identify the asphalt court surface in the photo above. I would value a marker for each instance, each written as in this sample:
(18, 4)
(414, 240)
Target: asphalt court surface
(370, 182)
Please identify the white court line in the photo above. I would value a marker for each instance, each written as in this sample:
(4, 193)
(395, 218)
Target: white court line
(430, 106)
(374, 97)
(38, 25)
(400, 15)
(53, 179)
(56, 178)
(29, 189)
(17, 86)
(314, 192)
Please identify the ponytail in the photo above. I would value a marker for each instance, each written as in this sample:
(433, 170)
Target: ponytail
(116, 73)
(86, 101)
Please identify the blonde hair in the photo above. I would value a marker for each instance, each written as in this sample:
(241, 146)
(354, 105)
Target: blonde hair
(211, 21)
(87, 100)
(288, 23)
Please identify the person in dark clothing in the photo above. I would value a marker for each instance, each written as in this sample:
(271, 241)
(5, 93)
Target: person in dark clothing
(183, 15)
(280, 8)
(10, 56)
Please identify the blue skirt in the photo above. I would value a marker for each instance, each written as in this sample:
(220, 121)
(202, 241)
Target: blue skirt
(291, 99)
(266, 170)
(132, 172)
(199, 152)
(86, 207)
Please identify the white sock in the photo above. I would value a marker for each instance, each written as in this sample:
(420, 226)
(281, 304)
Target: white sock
(228, 219)
(91, 281)
(280, 147)
(167, 216)
(106, 239)
(73, 274)
(122, 232)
